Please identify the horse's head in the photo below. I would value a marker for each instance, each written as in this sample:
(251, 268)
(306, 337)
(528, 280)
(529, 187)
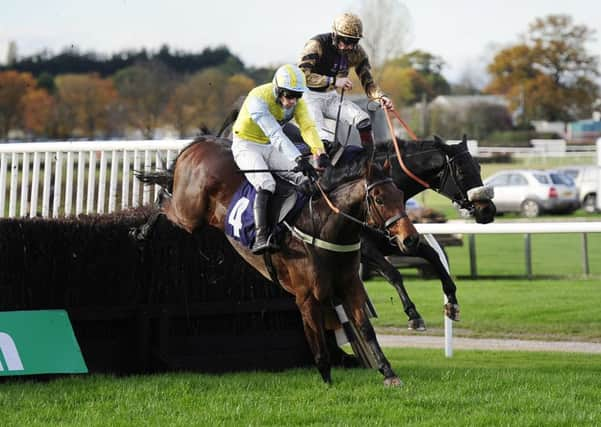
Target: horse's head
(450, 170)
(461, 182)
(386, 209)
(379, 201)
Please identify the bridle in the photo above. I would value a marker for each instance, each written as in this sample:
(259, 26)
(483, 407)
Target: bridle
(370, 201)
(449, 172)
(449, 177)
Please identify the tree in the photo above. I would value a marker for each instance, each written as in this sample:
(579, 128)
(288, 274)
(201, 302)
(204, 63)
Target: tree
(550, 75)
(413, 77)
(144, 92)
(13, 87)
(38, 110)
(205, 99)
(387, 28)
(87, 100)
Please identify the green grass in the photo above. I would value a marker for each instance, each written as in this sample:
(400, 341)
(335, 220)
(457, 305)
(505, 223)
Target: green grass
(544, 309)
(558, 304)
(473, 388)
(505, 255)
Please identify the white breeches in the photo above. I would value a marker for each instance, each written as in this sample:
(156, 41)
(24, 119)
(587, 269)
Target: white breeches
(250, 155)
(324, 105)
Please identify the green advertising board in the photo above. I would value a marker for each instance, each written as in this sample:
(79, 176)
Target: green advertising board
(38, 342)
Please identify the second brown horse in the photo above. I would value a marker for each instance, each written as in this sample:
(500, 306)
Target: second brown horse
(200, 185)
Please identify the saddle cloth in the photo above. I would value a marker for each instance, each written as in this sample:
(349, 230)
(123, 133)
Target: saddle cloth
(284, 205)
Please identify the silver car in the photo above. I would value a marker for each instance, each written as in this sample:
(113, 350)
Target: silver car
(586, 179)
(532, 192)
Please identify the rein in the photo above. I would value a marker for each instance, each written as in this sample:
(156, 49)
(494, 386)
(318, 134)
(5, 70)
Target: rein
(396, 147)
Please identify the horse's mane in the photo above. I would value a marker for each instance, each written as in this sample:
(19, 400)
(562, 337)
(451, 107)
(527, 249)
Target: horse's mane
(349, 168)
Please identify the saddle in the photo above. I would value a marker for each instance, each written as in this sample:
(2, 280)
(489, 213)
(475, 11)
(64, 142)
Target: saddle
(285, 204)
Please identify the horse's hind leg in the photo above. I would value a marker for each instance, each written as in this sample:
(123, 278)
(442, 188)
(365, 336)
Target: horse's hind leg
(372, 255)
(141, 233)
(313, 323)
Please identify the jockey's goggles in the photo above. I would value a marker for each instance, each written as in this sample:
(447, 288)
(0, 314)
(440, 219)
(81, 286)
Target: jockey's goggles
(349, 41)
(290, 94)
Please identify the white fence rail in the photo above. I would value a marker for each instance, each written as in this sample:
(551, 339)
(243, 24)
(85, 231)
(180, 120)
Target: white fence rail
(525, 228)
(74, 176)
(511, 227)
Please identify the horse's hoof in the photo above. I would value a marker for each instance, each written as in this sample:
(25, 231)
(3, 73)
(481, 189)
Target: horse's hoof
(393, 382)
(350, 361)
(134, 234)
(326, 375)
(327, 379)
(416, 325)
(452, 311)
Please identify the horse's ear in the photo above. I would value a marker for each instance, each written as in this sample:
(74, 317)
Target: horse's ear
(438, 139)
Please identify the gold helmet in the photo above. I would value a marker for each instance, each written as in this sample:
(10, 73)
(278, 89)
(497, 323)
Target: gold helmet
(348, 25)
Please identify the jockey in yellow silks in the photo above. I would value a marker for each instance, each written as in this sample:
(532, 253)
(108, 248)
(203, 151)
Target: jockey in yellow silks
(259, 142)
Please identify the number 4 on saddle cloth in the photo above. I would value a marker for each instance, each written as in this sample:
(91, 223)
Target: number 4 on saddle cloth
(286, 203)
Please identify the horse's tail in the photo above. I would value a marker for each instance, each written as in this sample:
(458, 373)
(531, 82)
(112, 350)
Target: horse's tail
(162, 178)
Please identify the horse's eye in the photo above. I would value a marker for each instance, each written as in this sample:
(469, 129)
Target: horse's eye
(379, 200)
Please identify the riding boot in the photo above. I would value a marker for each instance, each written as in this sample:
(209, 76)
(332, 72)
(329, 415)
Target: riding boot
(262, 237)
(367, 138)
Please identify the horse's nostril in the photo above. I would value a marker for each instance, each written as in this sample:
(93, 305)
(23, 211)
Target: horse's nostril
(411, 241)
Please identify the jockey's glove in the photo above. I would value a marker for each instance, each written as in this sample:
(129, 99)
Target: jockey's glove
(323, 161)
(304, 166)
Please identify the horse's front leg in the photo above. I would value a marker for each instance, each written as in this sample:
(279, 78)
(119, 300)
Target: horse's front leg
(372, 256)
(314, 325)
(355, 300)
(429, 249)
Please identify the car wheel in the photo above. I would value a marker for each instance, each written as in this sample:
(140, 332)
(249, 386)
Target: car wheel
(590, 203)
(530, 208)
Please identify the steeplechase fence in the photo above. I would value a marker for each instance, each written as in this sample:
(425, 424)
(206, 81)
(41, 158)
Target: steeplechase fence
(152, 306)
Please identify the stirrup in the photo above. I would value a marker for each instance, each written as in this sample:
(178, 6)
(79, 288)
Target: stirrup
(260, 248)
(272, 243)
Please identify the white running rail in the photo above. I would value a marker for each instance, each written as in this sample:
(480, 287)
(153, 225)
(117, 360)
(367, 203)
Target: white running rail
(73, 176)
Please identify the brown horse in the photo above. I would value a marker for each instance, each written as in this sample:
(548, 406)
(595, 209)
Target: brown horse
(203, 180)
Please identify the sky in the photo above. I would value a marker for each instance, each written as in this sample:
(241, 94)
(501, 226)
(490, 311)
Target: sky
(465, 33)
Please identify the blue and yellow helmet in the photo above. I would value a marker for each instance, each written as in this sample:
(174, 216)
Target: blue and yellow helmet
(289, 78)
